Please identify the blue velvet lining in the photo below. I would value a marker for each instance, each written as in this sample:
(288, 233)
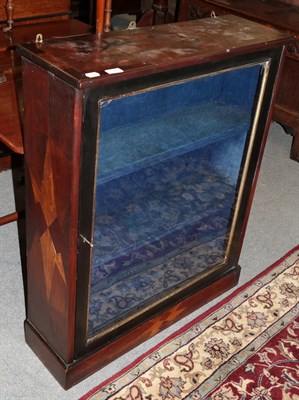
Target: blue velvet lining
(236, 87)
(169, 163)
(126, 149)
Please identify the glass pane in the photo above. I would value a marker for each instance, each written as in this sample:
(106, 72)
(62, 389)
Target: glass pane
(169, 168)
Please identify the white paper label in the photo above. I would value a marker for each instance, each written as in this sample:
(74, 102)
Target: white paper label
(114, 71)
(92, 74)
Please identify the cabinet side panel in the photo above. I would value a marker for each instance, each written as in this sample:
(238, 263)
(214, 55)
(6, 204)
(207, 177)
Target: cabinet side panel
(52, 113)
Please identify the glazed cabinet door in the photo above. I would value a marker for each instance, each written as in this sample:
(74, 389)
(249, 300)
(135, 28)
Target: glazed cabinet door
(164, 199)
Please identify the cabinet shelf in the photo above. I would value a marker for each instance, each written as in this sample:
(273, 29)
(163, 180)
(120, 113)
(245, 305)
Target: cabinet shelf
(123, 150)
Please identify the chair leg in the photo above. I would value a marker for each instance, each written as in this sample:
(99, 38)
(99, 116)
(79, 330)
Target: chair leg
(9, 218)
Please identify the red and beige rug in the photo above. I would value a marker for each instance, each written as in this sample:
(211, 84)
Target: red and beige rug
(247, 347)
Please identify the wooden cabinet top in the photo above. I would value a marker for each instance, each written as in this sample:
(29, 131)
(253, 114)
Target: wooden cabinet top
(281, 14)
(36, 9)
(149, 50)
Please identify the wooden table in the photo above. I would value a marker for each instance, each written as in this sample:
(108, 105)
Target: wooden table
(49, 18)
(10, 64)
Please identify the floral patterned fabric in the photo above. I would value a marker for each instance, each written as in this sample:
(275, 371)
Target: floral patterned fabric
(136, 290)
(154, 212)
(245, 348)
(156, 228)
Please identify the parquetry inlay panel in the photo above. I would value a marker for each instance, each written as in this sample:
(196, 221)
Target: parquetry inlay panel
(44, 197)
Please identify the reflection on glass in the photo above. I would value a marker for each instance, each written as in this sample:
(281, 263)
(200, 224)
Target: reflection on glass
(168, 173)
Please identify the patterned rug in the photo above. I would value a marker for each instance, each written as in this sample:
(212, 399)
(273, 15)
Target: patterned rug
(246, 347)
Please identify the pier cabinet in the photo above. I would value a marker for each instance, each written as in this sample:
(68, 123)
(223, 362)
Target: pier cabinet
(142, 149)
